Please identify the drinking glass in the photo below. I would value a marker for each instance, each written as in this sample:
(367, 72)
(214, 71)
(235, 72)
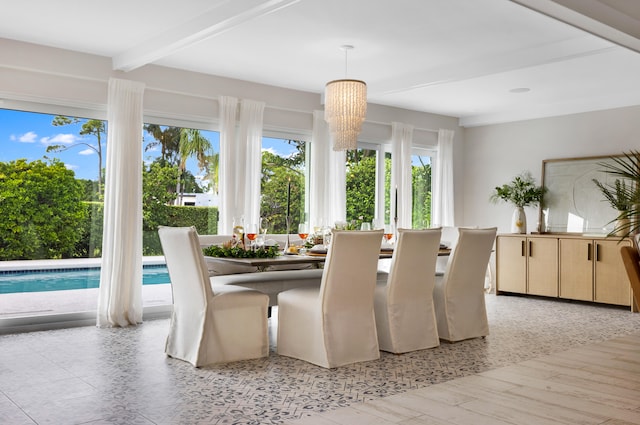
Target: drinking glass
(263, 227)
(388, 233)
(303, 231)
(238, 231)
(365, 226)
(252, 234)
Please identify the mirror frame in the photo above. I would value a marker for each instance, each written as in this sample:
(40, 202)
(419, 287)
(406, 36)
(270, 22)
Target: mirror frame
(572, 195)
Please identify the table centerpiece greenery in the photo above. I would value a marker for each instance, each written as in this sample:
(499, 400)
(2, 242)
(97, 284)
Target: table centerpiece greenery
(239, 252)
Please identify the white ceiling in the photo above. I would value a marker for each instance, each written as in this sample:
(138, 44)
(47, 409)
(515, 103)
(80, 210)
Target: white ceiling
(460, 58)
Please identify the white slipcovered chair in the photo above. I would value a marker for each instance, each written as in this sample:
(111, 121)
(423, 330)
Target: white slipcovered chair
(405, 316)
(459, 295)
(334, 325)
(209, 325)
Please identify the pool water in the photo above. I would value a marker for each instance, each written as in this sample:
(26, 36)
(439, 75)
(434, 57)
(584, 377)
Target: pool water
(64, 279)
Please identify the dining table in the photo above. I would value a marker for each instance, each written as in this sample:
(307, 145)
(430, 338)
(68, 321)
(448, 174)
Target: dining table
(309, 257)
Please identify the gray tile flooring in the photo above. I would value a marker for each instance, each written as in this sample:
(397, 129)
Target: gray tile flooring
(121, 376)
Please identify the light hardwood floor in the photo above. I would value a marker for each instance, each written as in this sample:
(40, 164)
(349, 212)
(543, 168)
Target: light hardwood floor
(594, 384)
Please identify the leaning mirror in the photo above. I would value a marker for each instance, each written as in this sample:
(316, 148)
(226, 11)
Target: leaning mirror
(572, 202)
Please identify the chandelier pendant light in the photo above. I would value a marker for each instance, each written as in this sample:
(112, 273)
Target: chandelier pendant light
(345, 109)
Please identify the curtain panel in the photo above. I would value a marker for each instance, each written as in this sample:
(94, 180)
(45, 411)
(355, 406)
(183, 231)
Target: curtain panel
(401, 195)
(120, 293)
(228, 169)
(328, 195)
(250, 166)
(442, 214)
(241, 162)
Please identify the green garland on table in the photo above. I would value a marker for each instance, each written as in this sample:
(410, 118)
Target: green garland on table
(238, 252)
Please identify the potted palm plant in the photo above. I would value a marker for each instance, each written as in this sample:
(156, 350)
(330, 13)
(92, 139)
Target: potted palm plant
(624, 194)
(522, 192)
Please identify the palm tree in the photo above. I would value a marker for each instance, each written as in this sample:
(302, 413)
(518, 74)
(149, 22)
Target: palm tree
(192, 143)
(89, 127)
(213, 168)
(168, 138)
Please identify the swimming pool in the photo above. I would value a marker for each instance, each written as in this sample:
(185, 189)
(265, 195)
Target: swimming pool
(64, 279)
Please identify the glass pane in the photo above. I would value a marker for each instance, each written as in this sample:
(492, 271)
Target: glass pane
(421, 191)
(180, 188)
(387, 189)
(180, 181)
(51, 186)
(283, 184)
(361, 186)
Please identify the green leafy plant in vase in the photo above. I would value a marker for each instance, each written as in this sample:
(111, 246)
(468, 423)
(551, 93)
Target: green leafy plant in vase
(522, 192)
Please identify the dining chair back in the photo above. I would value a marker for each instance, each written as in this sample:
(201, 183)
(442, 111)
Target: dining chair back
(459, 294)
(631, 260)
(209, 325)
(334, 325)
(405, 316)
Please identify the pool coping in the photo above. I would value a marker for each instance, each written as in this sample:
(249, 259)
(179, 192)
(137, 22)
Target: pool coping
(67, 263)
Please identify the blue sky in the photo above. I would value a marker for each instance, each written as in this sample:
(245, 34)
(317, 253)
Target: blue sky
(27, 135)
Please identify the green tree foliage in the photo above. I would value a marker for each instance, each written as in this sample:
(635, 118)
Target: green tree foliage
(361, 184)
(90, 244)
(421, 191)
(167, 138)
(277, 173)
(90, 190)
(41, 208)
(158, 184)
(192, 143)
(94, 128)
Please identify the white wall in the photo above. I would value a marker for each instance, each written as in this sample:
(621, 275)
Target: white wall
(34, 77)
(494, 154)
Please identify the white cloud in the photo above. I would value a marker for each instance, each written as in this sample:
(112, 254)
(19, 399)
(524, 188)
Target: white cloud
(87, 152)
(59, 139)
(270, 150)
(28, 137)
(71, 167)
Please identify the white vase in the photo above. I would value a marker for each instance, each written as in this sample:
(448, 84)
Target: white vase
(519, 221)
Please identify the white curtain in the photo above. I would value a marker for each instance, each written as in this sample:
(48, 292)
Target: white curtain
(401, 139)
(328, 196)
(228, 169)
(120, 294)
(251, 117)
(443, 181)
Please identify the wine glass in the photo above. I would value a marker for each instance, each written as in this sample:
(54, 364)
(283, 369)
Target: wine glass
(303, 231)
(252, 234)
(388, 233)
(264, 226)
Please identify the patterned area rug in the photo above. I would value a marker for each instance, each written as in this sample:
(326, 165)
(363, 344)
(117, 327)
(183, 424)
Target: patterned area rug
(123, 376)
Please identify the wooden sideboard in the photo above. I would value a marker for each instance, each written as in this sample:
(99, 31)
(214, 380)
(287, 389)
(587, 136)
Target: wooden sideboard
(563, 266)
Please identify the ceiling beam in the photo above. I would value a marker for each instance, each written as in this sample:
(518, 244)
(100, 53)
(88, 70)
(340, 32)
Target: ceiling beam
(615, 21)
(225, 16)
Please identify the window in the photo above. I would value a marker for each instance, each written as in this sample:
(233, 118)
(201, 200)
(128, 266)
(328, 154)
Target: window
(361, 185)
(51, 186)
(284, 183)
(180, 181)
(369, 186)
(421, 161)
